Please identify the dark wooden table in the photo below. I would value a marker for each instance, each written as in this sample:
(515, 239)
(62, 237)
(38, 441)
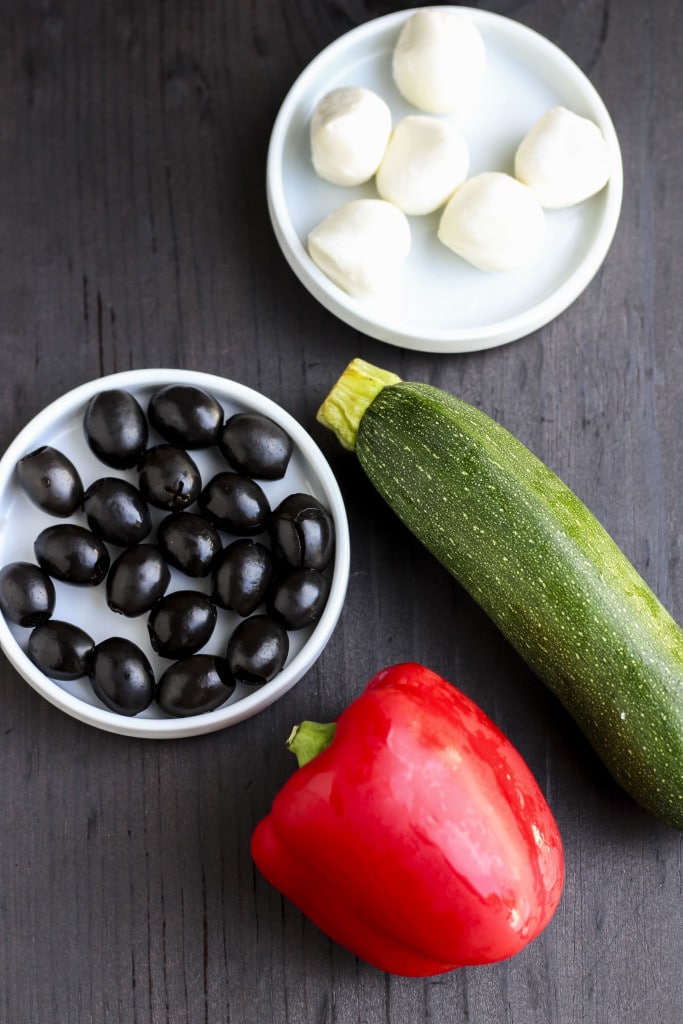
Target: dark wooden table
(134, 233)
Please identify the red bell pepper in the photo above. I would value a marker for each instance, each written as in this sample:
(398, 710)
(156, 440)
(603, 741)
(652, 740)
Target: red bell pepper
(414, 834)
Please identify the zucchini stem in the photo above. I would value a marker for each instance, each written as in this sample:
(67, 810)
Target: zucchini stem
(351, 396)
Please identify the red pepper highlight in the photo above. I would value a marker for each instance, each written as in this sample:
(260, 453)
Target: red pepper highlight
(417, 837)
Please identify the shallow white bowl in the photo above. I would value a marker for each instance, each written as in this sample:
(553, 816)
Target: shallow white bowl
(61, 425)
(443, 304)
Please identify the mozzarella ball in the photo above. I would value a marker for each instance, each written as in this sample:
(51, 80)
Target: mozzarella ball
(439, 61)
(564, 158)
(494, 222)
(424, 163)
(350, 128)
(362, 246)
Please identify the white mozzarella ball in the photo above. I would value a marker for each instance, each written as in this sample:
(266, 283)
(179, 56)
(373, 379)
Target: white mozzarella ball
(362, 246)
(564, 158)
(439, 61)
(349, 131)
(494, 222)
(424, 163)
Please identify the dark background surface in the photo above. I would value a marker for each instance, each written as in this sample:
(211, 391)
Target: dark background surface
(134, 233)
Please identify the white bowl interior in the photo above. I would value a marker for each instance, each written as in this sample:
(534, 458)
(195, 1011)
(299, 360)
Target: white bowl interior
(61, 425)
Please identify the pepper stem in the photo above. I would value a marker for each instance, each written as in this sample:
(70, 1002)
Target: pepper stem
(347, 402)
(308, 739)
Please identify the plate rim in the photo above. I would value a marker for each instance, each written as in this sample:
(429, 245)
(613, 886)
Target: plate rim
(432, 339)
(249, 705)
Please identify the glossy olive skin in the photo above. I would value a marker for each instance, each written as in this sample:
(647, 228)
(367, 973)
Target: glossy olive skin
(27, 594)
(51, 481)
(185, 415)
(195, 685)
(60, 650)
(137, 579)
(181, 623)
(257, 649)
(169, 478)
(302, 532)
(236, 504)
(189, 543)
(242, 575)
(72, 554)
(121, 676)
(256, 446)
(298, 599)
(116, 511)
(116, 428)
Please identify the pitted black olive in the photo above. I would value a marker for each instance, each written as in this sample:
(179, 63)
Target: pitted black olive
(121, 676)
(189, 543)
(195, 685)
(185, 415)
(169, 478)
(298, 599)
(137, 579)
(257, 649)
(72, 554)
(60, 650)
(235, 503)
(27, 594)
(51, 481)
(116, 428)
(253, 444)
(181, 623)
(242, 575)
(302, 532)
(116, 511)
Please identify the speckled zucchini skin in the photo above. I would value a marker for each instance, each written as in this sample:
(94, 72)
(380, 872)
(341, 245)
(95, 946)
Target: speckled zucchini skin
(545, 571)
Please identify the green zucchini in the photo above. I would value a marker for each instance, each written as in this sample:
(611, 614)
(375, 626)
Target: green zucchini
(539, 564)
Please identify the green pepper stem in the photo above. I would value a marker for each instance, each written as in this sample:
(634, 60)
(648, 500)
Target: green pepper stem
(347, 402)
(308, 739)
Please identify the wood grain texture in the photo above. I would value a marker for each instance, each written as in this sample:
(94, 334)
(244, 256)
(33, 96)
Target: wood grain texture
(134, 232)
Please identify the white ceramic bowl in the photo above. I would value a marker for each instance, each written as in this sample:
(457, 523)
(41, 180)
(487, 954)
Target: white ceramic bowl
(61, 425)
(444, 304)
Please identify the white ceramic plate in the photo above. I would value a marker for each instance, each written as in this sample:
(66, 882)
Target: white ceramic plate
(446, 305)
(61, 425)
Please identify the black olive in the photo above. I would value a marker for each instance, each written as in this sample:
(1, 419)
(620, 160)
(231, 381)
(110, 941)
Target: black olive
(116, 428)
(51, 481)
(181, 623)
(242, 575)
(255, 445)
(189, 542)
(302, 532)
(116, 511)
(257, 649)
(235, 503)
(299, 598)
(60, 650)
(185, 415)
(137, 579)
(72, 554)
(194, 685)
(169, 477)
(121, 676)
(27, 594)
